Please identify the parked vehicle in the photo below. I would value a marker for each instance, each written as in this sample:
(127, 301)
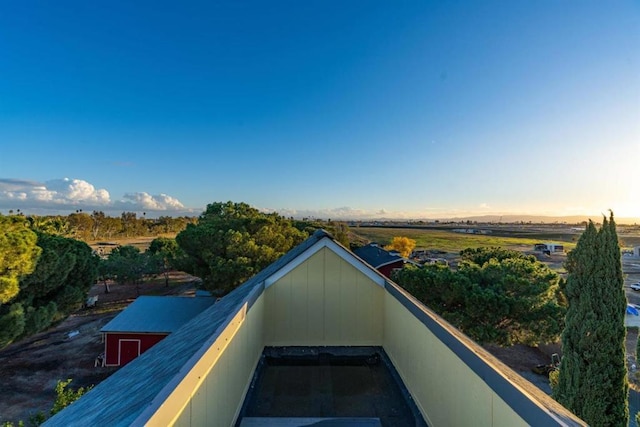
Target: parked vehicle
(635, 286)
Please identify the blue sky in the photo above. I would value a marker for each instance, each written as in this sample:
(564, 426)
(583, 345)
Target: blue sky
(321, 108)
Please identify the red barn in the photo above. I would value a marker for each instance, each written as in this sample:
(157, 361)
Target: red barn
(145, 322)
(383, 261)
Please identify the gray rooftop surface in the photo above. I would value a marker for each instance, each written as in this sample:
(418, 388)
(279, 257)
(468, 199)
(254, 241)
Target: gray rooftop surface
(158, 314)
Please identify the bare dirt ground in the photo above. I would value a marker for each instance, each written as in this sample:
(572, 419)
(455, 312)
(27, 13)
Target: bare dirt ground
(31, 368)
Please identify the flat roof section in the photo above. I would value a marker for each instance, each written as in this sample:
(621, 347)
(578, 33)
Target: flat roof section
(330, 384)
(310, 422)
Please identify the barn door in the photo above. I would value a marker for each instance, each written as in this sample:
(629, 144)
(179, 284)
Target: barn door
(129, 350)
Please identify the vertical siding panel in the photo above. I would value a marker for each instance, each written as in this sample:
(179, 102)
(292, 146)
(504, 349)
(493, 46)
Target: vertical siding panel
(213, 395)
(331, 303)
(378, 314)
(257, 328)
(241, 376)
(282, 303)
(365, 308)
(315, 298)
(254, 330)
(269, 318)
(422, 368)
(348, 303)
(298, 303)
(198, 406)
(370, 298)
(236, 378)
(226, 402)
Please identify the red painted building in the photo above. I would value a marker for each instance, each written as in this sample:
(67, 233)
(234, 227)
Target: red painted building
(383, 261)
(145, 322)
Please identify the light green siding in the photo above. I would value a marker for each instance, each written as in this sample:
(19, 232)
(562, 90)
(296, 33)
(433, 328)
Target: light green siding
(324, 301)
(227, 369)
(445, 389)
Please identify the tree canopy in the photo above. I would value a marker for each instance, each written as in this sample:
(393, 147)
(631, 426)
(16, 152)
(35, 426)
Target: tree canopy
(233, 241)
(167, 254)
(65, 271)
(592, 382)
(403, 245)
(18, 254)
(496, 296)
(127, 265)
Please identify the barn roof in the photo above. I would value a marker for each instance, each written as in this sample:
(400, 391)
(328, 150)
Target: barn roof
(377, 257)
(158, 314)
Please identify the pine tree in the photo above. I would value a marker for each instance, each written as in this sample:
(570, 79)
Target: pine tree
(593, 377)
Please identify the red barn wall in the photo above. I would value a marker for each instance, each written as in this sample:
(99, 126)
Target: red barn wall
(386, 269)
(121, 348)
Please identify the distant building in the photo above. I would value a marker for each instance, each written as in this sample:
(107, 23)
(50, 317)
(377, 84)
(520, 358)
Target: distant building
(548, 247)
(424, 257)
(146, 322)
(382, 260)
(471, 231)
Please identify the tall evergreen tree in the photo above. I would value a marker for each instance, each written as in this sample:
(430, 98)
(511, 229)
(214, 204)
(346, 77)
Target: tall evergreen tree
(593, 377)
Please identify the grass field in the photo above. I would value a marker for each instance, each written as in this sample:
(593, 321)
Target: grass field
(142, 243)
(449, 241)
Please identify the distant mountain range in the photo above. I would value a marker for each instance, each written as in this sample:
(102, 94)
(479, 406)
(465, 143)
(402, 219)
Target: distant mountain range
(510, 219)
(574, 219)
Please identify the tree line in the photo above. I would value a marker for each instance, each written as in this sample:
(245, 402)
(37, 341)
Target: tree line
(99, 226)
(495, 295)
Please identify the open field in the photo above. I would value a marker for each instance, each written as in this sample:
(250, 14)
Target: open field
(450, 241)
(511, 236)
(106, 246)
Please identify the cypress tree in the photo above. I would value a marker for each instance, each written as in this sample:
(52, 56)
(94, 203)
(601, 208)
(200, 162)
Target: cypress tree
(593, 376)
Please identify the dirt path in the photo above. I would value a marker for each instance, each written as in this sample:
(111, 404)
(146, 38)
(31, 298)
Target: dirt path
(30, 369)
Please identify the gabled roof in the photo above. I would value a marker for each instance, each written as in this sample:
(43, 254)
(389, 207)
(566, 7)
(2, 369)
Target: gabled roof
(377, 257)
(158, 314)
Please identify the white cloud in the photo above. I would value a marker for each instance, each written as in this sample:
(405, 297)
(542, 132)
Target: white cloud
(54, 194)
(73, 191)
(62, 195)
(146, 201)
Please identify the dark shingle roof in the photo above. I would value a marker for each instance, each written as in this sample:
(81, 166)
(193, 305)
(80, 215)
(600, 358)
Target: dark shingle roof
(157, 314)
(375, 256)
(121, 398)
